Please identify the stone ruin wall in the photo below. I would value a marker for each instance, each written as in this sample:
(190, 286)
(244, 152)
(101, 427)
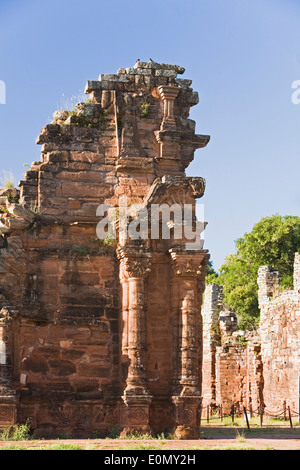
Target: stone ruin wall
(231, 359)
(280, 338)
(95, 335)
(254, 369)
(98, 335)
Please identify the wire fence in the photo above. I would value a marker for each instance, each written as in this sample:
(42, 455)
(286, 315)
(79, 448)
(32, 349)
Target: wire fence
(214, 414)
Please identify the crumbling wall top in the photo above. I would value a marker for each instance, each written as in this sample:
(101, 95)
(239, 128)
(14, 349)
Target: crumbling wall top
(269, 285)
(297, 273)
(133, 128)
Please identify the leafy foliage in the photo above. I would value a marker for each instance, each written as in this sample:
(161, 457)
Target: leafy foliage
(211, 274)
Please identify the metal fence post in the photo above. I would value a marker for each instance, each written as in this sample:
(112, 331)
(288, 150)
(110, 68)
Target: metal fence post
(246, 417)
(261, 413)
(290, 417)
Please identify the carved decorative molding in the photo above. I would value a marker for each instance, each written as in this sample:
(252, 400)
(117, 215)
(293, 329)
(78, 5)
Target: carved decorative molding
(136, 261)
(161, 189)
(188, 268)
(188, 264)
(168, 94)
(138, 267)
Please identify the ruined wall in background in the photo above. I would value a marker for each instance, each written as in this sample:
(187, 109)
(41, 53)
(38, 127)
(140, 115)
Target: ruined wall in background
(231, 359)
(280, 338)
(254, 369)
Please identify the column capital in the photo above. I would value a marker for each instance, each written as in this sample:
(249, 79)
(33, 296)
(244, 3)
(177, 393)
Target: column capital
(189, 262)
(168, 92)
(137, 262)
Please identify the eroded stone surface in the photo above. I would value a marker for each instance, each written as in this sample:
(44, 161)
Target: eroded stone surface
(105, 334)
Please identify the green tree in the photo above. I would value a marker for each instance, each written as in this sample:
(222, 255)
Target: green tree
(272, 242)
(211, 274)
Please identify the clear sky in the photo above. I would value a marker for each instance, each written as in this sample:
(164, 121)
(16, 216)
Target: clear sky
(242, 56)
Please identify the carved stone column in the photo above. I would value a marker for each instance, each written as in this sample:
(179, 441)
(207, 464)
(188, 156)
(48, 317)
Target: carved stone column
(168, 137)
(8, 399)
(168, 94)
(134, 268)
(189, 270)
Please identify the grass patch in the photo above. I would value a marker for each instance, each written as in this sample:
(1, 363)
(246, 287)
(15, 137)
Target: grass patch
(138, 447)
(18, 432)
(161, 437)
(62, 446)
(240, 436)
(139, 437)
(7, 180)
(233, 447)
(12, 447)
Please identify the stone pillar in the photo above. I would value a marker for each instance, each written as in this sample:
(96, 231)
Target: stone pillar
(168, 137)
(134, 268)
(8, 400)
(189, 270)
(297, 272)
(168, 94)
(268, 283)
(228, 322)
(212, 305)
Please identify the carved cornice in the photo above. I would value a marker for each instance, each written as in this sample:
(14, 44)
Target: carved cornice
(168, 92)
(160, 188)
(183, 138)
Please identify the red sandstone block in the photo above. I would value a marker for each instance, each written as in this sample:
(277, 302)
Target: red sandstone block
(36, 364)
(89, 176)
(74, 204)
(87, 157)
(75, 189)
(87, 370)
(79, 333)
(85, 385)
(77, 166)
(71, 354)
(61, 367)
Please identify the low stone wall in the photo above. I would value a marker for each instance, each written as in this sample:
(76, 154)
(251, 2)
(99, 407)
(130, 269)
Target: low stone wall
(239, 374)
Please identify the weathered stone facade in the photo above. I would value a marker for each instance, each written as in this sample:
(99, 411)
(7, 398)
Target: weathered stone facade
(100, 334)
(232, 373)
(253, 370)
(280, 338)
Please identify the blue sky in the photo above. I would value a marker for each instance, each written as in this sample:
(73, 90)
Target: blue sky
(242, 56)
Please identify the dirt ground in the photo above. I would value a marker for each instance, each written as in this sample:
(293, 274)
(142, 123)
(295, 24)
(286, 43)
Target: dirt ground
(245, 441)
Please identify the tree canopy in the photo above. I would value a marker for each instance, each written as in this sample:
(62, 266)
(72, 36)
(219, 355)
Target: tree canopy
(272, 242)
